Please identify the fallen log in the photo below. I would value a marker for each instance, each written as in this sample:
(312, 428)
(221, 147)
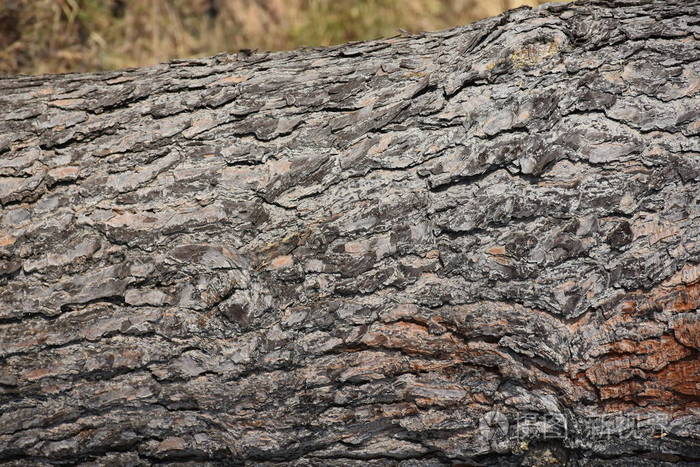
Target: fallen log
(476, 246)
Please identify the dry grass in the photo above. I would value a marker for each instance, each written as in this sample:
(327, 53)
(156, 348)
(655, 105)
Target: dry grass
(53, 36)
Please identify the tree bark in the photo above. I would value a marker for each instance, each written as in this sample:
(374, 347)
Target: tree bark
(477, 246)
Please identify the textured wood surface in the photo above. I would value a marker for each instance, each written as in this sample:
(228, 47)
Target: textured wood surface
(478, 246)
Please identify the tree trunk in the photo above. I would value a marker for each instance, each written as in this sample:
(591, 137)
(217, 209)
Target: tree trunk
(477, 246)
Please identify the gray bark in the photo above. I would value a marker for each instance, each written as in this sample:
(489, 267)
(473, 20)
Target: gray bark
(414, 251)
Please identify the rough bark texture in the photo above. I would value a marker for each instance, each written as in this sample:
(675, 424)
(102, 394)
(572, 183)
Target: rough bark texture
(392, 252)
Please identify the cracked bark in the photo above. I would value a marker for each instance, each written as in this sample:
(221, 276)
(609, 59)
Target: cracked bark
(374, 253)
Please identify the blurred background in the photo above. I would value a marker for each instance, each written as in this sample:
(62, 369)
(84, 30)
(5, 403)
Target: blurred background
(56, 36)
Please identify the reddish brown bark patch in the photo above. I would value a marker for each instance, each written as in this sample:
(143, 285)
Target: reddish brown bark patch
(659, 372)
(687, 331)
